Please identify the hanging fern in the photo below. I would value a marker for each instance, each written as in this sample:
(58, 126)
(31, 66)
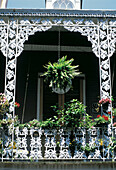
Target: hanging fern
(60, 74)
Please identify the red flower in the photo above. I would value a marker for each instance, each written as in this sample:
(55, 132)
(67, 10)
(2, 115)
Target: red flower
(102, 101)
(109, 113)
(112, 117)
(98, 116)
(17, 104)
(114, 124)
(105, 117)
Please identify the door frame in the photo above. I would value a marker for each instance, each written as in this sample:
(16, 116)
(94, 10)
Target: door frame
(40, 94)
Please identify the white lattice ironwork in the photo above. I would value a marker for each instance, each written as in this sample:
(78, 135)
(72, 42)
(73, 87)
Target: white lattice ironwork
(102, 140)
(35, 143)
(38, 144)
(7, 147)
(15, 33)
(10, 51)
(104, 60)
(64, 144)
(98, 35)
(50, 144)
(80, 140)
(101, 34)
(21, 143)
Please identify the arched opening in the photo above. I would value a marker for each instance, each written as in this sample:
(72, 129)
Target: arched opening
(38, 51)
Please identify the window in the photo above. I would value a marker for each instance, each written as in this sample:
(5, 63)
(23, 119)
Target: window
(63, 4)
(46, 99)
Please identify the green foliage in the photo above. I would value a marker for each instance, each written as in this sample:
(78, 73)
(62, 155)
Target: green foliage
(87, 121)
(102, 120)
(112, 145)
(31, 124)
(88, 148)
(60, 73)
(114, 111)
(49, 123)
(22, 125)
(4, 104)
(69, 117)
(9, 121)
(71, 114)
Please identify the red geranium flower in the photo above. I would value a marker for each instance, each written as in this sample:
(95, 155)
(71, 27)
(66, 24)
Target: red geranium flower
(17, 104)
(102, 101)
(105, 117)
(109, 113)
(98, 116)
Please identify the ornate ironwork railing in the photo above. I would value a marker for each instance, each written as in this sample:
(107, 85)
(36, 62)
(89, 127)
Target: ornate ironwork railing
(37, 144)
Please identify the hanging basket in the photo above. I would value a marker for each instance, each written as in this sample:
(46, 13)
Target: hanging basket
(59, 75)
(61, 91)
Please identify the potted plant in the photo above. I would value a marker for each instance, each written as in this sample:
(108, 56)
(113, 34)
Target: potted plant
(71, 114)
(104, 103)
(59, 74)
(102, 121)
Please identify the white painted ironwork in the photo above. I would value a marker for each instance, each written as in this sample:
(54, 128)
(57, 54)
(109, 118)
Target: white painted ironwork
(7, 146)
(81, 141)
(10, 51)
(98, 35)
(102, 35)
(38, 144)
(21, 151)
(35, 143)
(15, 33)
(64, 144)
(50, 143)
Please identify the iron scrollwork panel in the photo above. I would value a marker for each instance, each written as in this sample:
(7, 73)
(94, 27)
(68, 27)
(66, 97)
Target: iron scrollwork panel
(17, 32)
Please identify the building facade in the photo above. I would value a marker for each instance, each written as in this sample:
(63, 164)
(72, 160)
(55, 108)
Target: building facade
(30, 39)
(26, 53)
